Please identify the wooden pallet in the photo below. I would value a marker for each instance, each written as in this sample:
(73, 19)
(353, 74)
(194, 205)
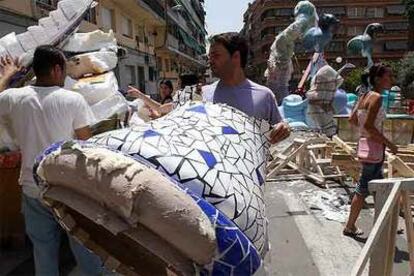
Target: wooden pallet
(309, 157)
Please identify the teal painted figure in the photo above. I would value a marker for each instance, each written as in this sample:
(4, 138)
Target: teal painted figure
(363, 44)
(316, 39)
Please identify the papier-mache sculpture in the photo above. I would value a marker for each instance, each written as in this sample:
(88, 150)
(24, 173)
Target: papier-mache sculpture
(321, 96)
(279, 66)
(53, 30)
(363, 44)
(211, 156)
(92, 57)
(316, 39)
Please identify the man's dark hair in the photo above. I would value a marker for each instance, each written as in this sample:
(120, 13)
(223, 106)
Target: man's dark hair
(45, 58)
(233, 42)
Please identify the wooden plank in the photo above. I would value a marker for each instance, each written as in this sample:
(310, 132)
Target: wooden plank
(403, 169)
(286, 161)
(307, 71)
(347, 148)
(325, 161)
(391, 238)
(409, 229)
(317, 146)
(273, 163)
(379, 226)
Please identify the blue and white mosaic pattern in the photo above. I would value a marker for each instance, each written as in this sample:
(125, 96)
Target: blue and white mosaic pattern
(217, 152)
(236, 255)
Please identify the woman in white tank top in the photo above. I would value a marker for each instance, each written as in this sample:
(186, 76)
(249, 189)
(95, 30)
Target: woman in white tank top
(369, 116)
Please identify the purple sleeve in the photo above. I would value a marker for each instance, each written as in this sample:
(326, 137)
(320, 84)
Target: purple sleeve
(274, 114)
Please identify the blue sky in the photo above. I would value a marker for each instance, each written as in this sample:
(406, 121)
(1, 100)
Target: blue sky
(225, 15)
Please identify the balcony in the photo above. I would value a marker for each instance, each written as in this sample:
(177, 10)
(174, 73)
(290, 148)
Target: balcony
(155, 6)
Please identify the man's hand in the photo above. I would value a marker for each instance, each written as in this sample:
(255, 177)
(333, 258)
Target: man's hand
(9, 67)
(153, 114)
(280, 132)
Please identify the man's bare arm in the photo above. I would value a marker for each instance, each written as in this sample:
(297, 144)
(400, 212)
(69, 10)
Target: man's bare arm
(83, 133)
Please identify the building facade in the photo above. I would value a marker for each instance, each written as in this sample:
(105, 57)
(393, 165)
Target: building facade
(264, 19)
(184, 47)
(142, 27)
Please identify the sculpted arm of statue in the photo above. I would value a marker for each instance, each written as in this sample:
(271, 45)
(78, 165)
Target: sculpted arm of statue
(9, 68)
(154, 105)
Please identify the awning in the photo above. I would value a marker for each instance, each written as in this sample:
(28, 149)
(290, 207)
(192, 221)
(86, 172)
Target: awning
(190, 41)
(202, 64)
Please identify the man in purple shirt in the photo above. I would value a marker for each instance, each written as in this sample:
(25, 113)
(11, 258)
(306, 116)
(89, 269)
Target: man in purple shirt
(228, 59)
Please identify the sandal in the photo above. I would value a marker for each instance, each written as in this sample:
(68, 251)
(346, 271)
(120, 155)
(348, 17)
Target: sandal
(353, 233)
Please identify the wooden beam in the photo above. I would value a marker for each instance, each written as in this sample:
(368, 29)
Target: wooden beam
(409, 229)
(347, 148)
(286, 161)
(376, 230)
(396, 163)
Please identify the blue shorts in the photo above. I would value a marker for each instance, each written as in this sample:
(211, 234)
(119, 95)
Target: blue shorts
(369, 172)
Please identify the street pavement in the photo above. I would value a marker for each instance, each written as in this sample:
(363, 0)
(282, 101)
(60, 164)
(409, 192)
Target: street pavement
(305, 243)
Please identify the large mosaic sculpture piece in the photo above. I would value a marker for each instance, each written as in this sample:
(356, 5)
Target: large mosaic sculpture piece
(214, 154)
(279, 66)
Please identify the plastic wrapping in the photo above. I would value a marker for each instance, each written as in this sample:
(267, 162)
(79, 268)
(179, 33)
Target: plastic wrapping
(89, 42)
(115, 104)
(96, 88)
(91, 63)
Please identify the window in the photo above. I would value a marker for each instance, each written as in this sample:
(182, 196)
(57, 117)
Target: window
(358, 12)
(141, 78)
(277, 12)
(333, 10)
(131, 77)
(140, 33)
(396, 9)
(336, 46)
(167, 65)
(396, 26)
(398, 45)
(284, 12)
(127, 27)
(355, 30)
(151, 73)
(375, 12)
(159, 63)
(108, 19)
(90, 16)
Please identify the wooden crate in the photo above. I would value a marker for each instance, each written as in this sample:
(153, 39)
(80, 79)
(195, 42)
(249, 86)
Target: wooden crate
(12, 233)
